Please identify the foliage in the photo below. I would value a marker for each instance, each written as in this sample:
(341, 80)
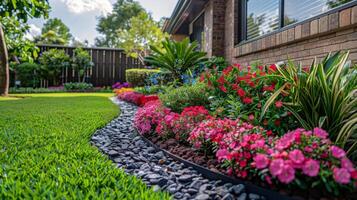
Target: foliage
(119, 19)
(137, 77)
(27, 73)
(81, 62)
(324, 96)
(143, 32)
(13, 18)
(47, 157)
(239, 92)
(78, 86)
(188, 95)
(176, 57)
(154, 89)
(17, 45)
(31, 90)
(54, 31)
(218, 63)
(52, 62)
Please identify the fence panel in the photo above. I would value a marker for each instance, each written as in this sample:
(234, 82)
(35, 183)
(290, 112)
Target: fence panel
(109, 65)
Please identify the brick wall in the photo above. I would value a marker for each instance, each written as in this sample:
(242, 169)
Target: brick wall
(313, 38)
(214, 40)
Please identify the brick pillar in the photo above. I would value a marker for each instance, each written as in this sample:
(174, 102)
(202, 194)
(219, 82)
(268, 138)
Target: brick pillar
(214, 28)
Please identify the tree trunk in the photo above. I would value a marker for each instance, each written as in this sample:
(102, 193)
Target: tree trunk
(4, 65)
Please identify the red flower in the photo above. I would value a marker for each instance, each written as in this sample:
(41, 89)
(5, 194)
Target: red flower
(235, 86)
(273, 68)
(270, 88)
(241, 92)
(247, 100)
(277, 122)
(221, 80)
(227, 70)
(269, 133)
(223, 89)
(278, 104)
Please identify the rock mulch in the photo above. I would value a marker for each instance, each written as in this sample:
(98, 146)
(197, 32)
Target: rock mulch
(125, 148)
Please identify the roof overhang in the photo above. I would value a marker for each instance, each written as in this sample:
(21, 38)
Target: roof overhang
(184, 12)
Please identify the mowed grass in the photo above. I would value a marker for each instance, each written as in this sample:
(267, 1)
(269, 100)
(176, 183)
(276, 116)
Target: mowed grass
(45, 150)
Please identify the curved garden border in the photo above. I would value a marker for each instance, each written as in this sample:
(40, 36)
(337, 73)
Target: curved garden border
(269, 194)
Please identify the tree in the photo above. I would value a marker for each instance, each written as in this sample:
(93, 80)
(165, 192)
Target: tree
(108, 26)
(54, 31)
(143, 33)
(16, 13)
(81, 62)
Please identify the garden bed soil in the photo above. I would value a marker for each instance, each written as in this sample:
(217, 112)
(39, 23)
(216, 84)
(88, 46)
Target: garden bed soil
(192, 155)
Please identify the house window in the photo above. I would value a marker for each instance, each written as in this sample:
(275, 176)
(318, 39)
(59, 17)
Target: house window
(260, 17)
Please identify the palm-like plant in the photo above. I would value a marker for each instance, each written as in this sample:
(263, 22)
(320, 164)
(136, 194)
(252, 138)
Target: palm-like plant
(176, 57)
(324, 96)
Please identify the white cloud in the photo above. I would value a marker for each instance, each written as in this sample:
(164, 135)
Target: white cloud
(82, 6)
(33, 31)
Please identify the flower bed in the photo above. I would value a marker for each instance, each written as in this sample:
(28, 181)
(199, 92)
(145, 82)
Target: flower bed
(299, 158)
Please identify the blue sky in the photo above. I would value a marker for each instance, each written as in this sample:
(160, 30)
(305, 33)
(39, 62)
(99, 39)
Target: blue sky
(81, 15)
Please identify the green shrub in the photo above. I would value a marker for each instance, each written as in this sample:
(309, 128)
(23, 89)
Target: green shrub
(28, 74)
(81, 62)
(147, 90)
(137, 77)
(77, 86)
(52, 63)
(187, 95)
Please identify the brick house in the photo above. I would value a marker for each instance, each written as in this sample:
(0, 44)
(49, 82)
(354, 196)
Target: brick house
(269, 31)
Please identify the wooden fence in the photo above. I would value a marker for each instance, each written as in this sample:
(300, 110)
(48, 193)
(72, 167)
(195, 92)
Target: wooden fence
(109, 65)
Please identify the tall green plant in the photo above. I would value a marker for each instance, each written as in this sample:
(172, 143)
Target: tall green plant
(52, 62)
(324, 96)
(81, 62)
(176, 57)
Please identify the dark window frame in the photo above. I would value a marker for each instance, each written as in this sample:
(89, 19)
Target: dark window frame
(241, 23)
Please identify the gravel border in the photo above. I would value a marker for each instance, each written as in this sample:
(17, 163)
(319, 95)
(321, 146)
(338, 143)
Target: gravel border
(130, 152)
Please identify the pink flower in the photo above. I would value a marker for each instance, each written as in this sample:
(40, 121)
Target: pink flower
(311, 168)
(320, 133)
(251, 117)
(337, 152)
(296, 156)
(341, 175)
(261, 161)
(347, 164)
(278, 104)
(222, 154)
(287, 174)
(276, 166)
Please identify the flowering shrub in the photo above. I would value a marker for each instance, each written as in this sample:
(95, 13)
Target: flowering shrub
(208, 134)
(119, 85)
(132, 97)
(149, 116)
(123, 90)
(180, 125)
(244, 92)
(306, 159)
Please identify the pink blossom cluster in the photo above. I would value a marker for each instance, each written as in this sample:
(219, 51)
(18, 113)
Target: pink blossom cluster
(300, 154)
(132, 97)
(179, 126)
(147, 117)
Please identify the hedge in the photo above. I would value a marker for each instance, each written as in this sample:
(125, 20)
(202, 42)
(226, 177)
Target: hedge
(137, 77)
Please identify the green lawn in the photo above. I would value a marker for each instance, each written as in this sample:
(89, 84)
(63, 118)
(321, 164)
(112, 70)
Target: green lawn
(45, 150)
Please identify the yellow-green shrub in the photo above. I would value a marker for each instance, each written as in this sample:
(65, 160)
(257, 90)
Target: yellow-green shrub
(137, 77)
